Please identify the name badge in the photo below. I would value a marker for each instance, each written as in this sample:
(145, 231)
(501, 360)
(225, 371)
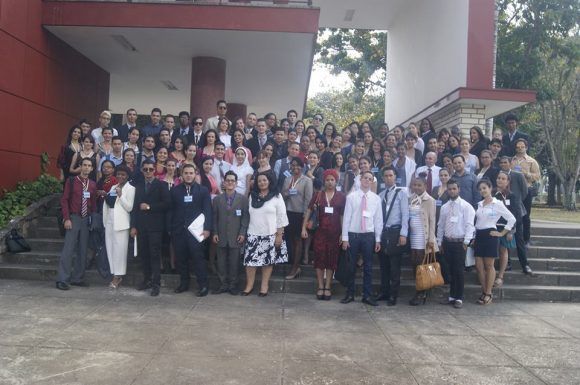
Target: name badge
(491, 213)
(454, 219)
(507, 202)
(398, 181)
(329, 210)
(375, 170)
(438, 202)
(188, 199)
(113, 192)
(383, 186)
(287, 173)
(238, 213)
(518, 168)
(366, 213)
(338, 188)
(292, 191)
(467, 169)
(86, 194)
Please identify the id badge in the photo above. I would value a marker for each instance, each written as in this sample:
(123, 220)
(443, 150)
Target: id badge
(518, 168)
(398, 181)
(287, 173)
(490, 213)
(187, 199)
(338, 188)
(374, 170)
(113, 193)
(366, 213)
(238, 213)
(438, 202)
(87, 194)
(383, 186)
(329, 210)
(507, 202)
(453, 219)
(292, 191)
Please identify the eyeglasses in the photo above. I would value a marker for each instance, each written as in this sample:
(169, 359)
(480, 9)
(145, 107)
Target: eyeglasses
(148, 169)
(198, 123)
(230, 181)
(317, 118)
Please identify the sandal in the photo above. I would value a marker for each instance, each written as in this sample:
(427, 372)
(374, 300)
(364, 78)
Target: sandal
(498, 282)
(480, 299)
(485, 300)
(327, 297)
(320, 297)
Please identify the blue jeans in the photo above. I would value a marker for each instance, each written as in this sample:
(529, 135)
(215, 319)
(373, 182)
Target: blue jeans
(362, 243)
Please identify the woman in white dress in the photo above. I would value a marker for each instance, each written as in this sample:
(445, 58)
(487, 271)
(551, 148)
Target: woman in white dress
(243, 170)
(116, 218)
(265, 245)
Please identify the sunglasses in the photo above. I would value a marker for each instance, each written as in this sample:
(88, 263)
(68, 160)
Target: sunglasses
(148, 169)
(198, 123)
(317, 118)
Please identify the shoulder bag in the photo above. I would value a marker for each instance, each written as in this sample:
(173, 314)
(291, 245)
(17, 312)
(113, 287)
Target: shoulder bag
(313, 222)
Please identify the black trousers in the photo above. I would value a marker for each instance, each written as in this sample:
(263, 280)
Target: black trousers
(521, 244)
(526, 218)
(454, 254)
(149, 248)
(390, 263)
(187, 248)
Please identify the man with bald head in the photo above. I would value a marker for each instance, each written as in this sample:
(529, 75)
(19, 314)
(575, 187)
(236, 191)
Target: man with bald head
(430, 171)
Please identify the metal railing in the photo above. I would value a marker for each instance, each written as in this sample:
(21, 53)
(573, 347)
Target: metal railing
(251, 3)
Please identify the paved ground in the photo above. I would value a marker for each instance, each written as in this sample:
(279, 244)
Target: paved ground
(98, 336)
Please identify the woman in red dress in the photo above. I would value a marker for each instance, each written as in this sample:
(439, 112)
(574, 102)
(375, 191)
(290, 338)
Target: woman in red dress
(330, 206)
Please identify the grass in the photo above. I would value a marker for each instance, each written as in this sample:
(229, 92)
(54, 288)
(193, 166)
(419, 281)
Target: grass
(555, 214)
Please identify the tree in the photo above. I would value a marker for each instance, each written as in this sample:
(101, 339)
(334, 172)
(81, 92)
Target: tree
(359, 53)
(539, 48)
(341, 107)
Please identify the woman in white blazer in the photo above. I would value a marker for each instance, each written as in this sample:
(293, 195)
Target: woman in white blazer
(117, 218)
(409, 165)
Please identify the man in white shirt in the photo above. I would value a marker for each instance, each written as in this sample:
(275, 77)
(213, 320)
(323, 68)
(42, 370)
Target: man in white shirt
(220, 166)
(430, 170)
(362, 226)
(222, 108)
(455, 230)
(104, 121)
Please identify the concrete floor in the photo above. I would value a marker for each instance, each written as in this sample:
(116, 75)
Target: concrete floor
(98, 336)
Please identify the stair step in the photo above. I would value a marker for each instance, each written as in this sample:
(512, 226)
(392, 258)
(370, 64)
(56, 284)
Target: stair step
(308, 286)
(46, 258)
(46, 232)
(556, 241)
(46, 244)
(550, 264)
(559, 252)
(47, 221)
(571, 230)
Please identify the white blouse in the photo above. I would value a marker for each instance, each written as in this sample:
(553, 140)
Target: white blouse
(486, 217)
(242, 172)
(268, 218)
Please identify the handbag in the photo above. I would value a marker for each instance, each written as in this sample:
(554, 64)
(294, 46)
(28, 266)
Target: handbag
(428, 274)
(313, 222)
(344, 271)
(15, 242)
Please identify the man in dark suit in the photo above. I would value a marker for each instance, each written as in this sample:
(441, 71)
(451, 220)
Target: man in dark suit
(519, 188)
(257, 142)
(188, 201)
(184, 129)
(148, 224)
(509, 139)
(230, 223)
(124, 130)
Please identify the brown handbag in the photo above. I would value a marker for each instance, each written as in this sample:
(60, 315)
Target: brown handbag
(428, 274)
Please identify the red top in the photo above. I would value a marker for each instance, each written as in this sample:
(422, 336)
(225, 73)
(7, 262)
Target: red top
(71, 202)
(329, 222)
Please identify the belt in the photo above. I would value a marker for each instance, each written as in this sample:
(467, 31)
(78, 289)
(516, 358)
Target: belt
(453, 239)
(394, 227)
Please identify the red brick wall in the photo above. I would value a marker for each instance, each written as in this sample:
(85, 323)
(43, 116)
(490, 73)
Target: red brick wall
(45, 87)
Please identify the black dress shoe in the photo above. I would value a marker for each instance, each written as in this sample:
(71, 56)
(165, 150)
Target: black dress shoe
(370, 301)
(391, 301)
(347, 299)
(234, 291)
(80, 284)
(144, 285)
(203, 292)
(260, 294)
(246, 293)
(154, 291)
(221, 290)
(382, 297)
(180, 289)
(62, 286)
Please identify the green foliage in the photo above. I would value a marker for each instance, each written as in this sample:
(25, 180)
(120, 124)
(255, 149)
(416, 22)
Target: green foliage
(359, 53)
(344, 106)
(14, 203)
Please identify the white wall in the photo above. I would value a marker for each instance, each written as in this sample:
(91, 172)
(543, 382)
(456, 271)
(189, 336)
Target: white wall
(426, 56)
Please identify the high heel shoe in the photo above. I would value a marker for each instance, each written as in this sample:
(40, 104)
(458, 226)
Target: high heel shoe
(260, 294)
(295, 275)
(320, 297)
(418, 300)
(246, 293)
(327, 297)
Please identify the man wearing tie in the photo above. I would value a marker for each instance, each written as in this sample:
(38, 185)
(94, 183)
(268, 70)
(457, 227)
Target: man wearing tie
(509, 138)
(362, 226)
(395, 208)
(220, 166)
(455, 231)
(188, 201)
(257, 143)
(126, 128)
(430, 170)
(148, 224)
(184, 130)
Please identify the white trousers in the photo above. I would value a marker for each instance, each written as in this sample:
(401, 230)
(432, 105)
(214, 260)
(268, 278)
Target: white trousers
(116, 243)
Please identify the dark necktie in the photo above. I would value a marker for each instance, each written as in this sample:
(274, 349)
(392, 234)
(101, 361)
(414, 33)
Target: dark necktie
(147, 186)
(429, 180)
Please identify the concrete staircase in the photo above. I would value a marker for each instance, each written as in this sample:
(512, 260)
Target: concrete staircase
(554, 257)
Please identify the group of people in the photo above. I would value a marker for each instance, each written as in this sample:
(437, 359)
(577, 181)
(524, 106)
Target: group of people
(263, 191)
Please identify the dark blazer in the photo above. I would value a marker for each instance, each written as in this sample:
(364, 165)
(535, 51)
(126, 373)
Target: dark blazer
(124, 132)
(183, 213)
(478, 147)
(515, 207)
(254, 145)
(509, 147)
(158, 199)
(226, 223)
(189, 136)
(490, 174)
(519, 188)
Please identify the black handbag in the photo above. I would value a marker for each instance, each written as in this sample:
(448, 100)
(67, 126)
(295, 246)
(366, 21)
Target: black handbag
(313, 221)
(15, 242)
(345, 270)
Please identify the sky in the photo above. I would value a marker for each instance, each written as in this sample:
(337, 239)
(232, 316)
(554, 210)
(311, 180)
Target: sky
(321, 80)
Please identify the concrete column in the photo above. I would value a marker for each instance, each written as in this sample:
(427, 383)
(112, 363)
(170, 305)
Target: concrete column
(237, 110)
(208, 85)
(462, 115)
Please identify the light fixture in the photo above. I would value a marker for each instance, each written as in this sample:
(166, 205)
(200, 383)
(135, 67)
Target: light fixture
(169, 84)
(123, 42)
